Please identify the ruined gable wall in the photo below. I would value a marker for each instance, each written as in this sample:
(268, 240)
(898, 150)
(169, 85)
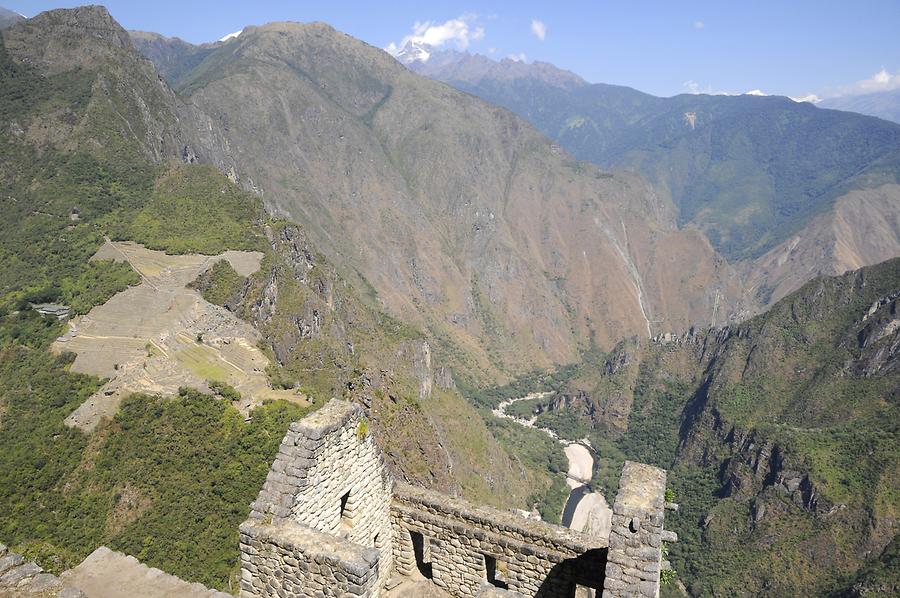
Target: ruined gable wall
(330, 476)
(329, 521)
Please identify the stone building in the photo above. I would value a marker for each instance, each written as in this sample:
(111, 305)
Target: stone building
(331, 521)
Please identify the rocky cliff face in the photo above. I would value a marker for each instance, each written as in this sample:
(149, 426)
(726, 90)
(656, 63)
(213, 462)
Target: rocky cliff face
(460, 216)
(792, 415)
(779, 434)
(107, 78)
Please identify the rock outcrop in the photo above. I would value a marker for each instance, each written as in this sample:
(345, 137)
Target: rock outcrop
(26, 579)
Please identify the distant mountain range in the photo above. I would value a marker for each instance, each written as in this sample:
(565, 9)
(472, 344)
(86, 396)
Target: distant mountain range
(421, 244)
(756, 174)
(883, 104)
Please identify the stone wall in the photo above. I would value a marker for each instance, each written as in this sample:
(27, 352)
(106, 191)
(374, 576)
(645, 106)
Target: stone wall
(20, 578)
(329, 521)
(635, 540)
(330, 476)
(287, 559)
(464, 548)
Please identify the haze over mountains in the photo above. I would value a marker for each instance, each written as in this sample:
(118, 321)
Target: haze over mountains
(883, 104)
(9, 17)
(761, 176)
(424, 243)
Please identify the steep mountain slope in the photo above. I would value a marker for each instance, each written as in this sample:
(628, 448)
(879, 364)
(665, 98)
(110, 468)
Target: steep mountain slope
(780, 436)
(92, 145)
(883, 104)
(172, 56)
(461, 217)
(750, 172)
(862, 228)
(9, 18)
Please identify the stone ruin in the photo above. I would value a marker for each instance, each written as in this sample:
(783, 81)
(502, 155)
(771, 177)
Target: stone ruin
(331, 521)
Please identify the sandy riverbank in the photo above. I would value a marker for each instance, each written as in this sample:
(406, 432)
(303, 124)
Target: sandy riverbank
(584, 510)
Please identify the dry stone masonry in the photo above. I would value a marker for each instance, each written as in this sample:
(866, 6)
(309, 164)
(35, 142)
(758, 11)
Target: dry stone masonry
(462, 548)
(635, 539)
(25, 579)
(328, 477)
(330, 521)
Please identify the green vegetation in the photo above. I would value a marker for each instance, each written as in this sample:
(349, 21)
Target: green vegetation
(168, 480)
(195, 209)
(224, 390)
(535, 382)
(541, 455)
(790, 384)
(567, 424)
(219, 284)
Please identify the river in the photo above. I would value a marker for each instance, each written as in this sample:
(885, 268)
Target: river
(585, 510)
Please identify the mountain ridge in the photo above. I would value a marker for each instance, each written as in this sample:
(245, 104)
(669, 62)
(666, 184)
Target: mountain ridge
(383, 114)
(754, 174)
(883, 104)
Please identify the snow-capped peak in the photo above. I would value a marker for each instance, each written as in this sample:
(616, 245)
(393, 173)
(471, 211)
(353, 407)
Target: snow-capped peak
(414, 51)
(811, 98)
(231, 36)
(755, 92)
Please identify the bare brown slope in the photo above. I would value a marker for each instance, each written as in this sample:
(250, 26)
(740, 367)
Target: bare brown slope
(862, 229)
(459, 214)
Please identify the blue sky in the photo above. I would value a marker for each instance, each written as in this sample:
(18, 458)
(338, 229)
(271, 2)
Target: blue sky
(789, 47)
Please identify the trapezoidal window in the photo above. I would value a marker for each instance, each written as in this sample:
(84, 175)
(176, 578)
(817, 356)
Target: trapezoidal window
(422, 551)
(346, 511)
(495, 572)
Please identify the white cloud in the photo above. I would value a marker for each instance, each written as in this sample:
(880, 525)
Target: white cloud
(699, 24)
(520, 57)
(692, 86)
(539, 29)
(460, 31)
(883, 80)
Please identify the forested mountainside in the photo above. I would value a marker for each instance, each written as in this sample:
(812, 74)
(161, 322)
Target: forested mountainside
(764, 178)
(780, 437)
(93, 149)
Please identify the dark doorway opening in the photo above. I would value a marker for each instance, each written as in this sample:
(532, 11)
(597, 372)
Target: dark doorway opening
(423, 553)
(496, 576)
(346, 520)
